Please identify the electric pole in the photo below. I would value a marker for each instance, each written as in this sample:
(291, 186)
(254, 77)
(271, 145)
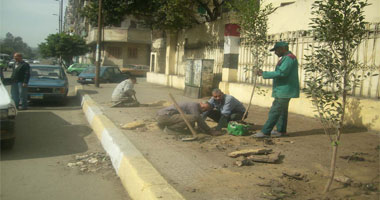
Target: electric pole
(98, 53)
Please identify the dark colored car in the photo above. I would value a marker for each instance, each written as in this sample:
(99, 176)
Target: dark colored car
(8, 114)
(135, 70)
(107, 74)
(47, 82)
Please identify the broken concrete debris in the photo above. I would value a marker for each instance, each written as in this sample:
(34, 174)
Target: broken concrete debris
(91, 162)
(271, 158)
(247, 152)
(343, 179)
(356, 156)
(293, 175)
(248, 156)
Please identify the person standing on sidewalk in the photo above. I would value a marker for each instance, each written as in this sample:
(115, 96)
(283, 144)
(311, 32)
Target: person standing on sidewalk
(225, 108)
(285, 86)
(123, 94)
(20, 78)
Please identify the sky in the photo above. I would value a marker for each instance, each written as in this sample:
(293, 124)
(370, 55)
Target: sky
(33, 20)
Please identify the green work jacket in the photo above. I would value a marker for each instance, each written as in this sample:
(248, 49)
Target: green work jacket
(285, 77)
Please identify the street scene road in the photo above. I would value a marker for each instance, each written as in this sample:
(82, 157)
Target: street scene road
(190, 99)
(50, 141)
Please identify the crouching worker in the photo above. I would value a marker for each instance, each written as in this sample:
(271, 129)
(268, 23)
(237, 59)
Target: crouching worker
(225, 108)
(170, 118)
(124, 95)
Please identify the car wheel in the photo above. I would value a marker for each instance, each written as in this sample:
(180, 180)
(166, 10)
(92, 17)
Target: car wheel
(74, 73)
(8, 143)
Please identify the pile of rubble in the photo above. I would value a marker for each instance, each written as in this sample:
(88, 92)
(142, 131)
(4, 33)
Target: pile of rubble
(91, 162)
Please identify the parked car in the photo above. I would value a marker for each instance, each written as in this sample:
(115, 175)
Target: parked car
(8, 114)
(77, 68)
(11, 63)
(4, 60)
(47, 82)
(135, 70)
(107, 74)
(36, 62)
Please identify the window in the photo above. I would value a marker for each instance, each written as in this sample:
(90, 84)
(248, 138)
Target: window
(132, 52)
(114, 52)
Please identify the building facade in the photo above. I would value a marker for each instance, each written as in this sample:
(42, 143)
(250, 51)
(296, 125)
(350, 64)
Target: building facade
(123, 45)
(289, 22)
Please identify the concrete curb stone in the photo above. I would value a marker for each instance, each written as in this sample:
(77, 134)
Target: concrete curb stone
(140, 179)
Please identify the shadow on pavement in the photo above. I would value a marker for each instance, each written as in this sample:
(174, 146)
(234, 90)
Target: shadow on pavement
(44, 134)
(346, 130)
(72, 103)
(88, 91)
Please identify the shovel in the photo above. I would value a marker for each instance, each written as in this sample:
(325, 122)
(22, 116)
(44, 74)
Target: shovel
(195, 137)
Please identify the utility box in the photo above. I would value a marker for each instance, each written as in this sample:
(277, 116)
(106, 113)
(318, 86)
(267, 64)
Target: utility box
(199, 77)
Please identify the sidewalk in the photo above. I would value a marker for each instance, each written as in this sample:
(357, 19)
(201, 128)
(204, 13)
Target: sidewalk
(202, 170)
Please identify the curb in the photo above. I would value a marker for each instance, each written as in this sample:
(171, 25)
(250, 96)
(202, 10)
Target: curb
(140, 179)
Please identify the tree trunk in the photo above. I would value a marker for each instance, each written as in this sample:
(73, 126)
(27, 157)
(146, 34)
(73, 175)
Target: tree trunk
(332, 166)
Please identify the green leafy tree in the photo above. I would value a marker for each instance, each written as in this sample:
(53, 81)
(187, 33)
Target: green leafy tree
(11, 44)
(253, 21)
(339, 28)
(157, 14)
(63, 45)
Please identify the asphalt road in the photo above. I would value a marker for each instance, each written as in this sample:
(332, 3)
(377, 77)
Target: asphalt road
(49, 136)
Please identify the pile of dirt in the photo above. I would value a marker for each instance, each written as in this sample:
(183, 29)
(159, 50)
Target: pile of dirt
(141, 125)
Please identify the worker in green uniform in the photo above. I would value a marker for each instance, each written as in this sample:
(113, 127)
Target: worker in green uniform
(285, 87)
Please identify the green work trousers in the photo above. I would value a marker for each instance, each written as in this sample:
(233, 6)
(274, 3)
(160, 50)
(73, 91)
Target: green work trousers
(278, 116)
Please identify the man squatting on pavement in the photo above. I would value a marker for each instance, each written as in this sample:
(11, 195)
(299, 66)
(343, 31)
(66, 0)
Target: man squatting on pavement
(285, 86)
(225, 108)
(170, 118)
(123, 94)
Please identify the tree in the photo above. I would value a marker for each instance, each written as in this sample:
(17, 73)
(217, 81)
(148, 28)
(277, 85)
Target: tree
(156, 14)
(253, 21)
(10, 45)
(339, 28)
(65, 45)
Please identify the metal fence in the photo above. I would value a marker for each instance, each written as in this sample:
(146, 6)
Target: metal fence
(367, 53)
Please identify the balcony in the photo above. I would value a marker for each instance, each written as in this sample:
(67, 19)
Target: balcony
(121, 35)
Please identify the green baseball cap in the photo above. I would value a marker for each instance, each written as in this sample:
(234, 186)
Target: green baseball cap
(279, 44)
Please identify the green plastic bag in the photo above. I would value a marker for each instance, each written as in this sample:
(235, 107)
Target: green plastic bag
(235, 128)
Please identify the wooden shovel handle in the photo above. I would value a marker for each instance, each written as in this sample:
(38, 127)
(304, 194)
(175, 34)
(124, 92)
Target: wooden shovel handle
(183, 116)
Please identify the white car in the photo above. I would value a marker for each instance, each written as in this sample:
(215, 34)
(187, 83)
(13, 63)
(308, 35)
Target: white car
(8, 113)
(36, 62)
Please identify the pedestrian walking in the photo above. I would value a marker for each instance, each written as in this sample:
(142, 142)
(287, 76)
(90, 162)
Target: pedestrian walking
(285, 86)
(20, 78)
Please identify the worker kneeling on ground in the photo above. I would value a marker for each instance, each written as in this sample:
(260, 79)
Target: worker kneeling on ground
(225, 108)
(170, 119)
(124, 95)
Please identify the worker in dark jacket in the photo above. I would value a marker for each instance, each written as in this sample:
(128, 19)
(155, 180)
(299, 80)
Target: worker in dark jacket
(285, 86)
(20, 78)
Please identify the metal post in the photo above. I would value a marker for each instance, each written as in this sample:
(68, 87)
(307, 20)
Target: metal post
(98, 53)
(61, 17)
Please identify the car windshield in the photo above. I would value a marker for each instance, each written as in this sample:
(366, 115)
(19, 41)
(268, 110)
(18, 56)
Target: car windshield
(89, 70)
(45, 73)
